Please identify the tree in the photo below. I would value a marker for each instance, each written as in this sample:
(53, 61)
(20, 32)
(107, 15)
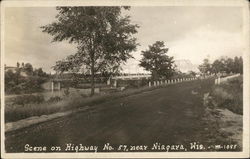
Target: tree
(205, 68)
(17, 64)
(17, 83)
(229, 65)
(192, 73)
(238, 65)
(157, 62)
(28, 68)
(39, 72)
(217, 66)
(102, 35)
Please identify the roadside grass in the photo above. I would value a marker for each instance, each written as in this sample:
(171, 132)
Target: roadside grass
(15, 113)
(229, 95)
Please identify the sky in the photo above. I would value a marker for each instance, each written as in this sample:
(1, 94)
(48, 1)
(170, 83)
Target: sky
(190, 33)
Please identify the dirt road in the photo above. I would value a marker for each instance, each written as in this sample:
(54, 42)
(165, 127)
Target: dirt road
(170, 115)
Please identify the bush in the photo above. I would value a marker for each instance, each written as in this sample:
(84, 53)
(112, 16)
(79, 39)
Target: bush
(66, 92)
(54, 99)
(133, 83)
(230, 95)
(22, 85)
(27, 99)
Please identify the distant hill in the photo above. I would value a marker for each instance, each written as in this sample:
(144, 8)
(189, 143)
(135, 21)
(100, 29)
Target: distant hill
(185, 66)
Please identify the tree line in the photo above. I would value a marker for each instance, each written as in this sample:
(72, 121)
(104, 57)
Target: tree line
(222, 65)
(24, 79)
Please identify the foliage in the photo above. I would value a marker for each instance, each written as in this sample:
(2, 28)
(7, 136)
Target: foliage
(54, 99)
(133, 83)
(66, 92)
(230, 95)
(24, 80)
(222, 65)
(28, 69)
(102, 35)
(192, 73)
(178, 75)
(157, 62)
(28, 99)
(205, 68)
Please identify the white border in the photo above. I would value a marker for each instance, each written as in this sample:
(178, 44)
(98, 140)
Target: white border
(44, 3)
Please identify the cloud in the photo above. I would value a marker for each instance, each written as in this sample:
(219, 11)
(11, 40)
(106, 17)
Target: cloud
(189, 32)
(203, 42)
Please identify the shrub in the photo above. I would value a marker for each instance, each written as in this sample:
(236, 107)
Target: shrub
(54, 99)
(66, 92)
(27, 99)
(230, 95)
(133, 83)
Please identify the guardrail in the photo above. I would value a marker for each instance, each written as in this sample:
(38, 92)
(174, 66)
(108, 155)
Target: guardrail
(173, 81)
(220, 80)
(132, 77)
(152, 83)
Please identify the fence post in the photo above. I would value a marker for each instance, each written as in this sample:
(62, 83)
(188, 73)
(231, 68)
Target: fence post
(154, 83)
(108, 82)
(149, 83)
(115, 83)
(52, 86)
(59, 85)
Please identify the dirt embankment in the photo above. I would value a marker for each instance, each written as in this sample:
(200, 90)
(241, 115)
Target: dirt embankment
(223, 113)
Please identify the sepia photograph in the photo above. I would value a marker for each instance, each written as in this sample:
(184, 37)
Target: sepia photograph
(115, 79)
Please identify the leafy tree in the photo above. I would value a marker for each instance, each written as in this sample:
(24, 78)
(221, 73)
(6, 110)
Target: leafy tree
(192, 73)
(228, 65)
(102, 35)
(39, 72)
(238, 65)
(16, 82)
(28, 68)
(218, 66)
(205, 68)
(157, 61)
(17, 64)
